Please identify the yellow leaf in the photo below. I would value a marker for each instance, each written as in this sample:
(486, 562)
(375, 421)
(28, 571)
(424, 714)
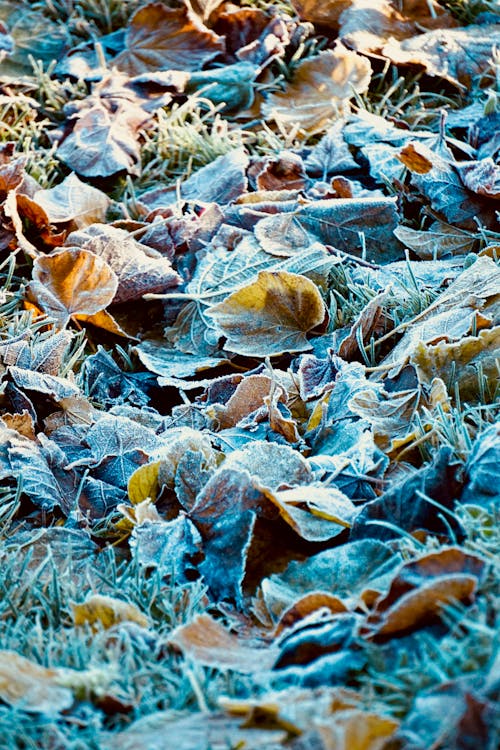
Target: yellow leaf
(466, 361)
(108, 611)
(271, 315)
(143, 483)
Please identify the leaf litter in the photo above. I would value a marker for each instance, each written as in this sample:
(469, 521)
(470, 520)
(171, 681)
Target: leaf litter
(249, 359)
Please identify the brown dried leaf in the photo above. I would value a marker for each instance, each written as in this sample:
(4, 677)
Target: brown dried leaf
(422, 588)
(320, 90)
(72, 282)
(21, 423)
(321, 12)
(355, 729)
(306, 605)
(73, 201)
(11, 169)
(248, 396)
(270, 316)
(207, 642)
(367, 24)
(415, 158)
(162, 38)
(27, 686)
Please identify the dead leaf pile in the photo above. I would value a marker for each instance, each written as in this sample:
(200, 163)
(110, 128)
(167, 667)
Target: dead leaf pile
(249, 351)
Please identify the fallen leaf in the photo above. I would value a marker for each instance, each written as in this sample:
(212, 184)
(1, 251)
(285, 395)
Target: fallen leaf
(202, 731)
(139, 268)
(482, 177)
(440, 240)
(332, 153)
(270, 316)
(206, 641)
(27, 686)
(162, 38)
(143, 483)
(232, 86)
(454, 713)
(320, 90)
(355, 729)
(102, 144)
(107, 611)
(456, 55)
(315, 513)
(481, 486)
(72, 282)
(221, 181)
(321, 12)
(452, 313)
(413, 157)
(248, 396)
(73, 201)
(422, 588)
(355, 226)
(404, 506)
(470, 364)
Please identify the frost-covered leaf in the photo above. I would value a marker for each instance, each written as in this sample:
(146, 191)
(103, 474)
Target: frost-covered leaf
(451, 315)
(404, 505)
(221, 181)
(162, 38)
(344, 222)
(470, 364)
(139, 268)
(482, 177)
(73, 201)
(270, 316)
(440, 240)
(457, 55)
(332, 153)
(206, 641)
(231, 86)
(107, 611)
(344, 570)
(72, 282)
(320, 90)
(51, 385)
(482, 487)
(161, 359)
(422, 588)
(27, 686)
(102, 144)
(315, 513)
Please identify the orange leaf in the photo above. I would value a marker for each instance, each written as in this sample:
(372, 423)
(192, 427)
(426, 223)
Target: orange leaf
(72, 282)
